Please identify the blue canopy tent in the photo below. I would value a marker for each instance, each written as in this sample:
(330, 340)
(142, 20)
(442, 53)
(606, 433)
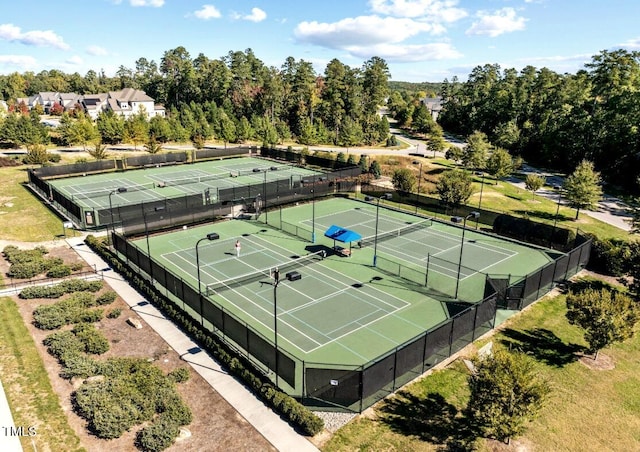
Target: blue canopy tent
(340, 234)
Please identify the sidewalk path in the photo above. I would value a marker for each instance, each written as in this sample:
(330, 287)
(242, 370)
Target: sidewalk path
(269, 424)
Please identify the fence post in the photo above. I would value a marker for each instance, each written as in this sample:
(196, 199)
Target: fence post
(426, 275)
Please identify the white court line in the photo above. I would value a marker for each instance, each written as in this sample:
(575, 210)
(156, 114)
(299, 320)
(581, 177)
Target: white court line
(259, 321)
(504, 251)
(386, 295)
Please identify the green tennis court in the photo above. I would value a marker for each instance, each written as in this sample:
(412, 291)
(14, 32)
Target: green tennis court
(342, 309)
(157, 183)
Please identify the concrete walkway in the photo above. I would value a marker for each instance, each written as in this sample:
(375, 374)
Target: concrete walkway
(264, 420)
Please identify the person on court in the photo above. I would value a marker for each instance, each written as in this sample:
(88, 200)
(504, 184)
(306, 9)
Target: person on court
(238, 248)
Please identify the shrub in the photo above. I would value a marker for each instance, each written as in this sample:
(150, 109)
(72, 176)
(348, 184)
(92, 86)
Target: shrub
(106, 298)
(93, 340)
(59, 271)
(70, 310)
(179, 375)
(62, 342)
(158, 436)
(57, 290)
(76, 266)
(77, 365)
(114, 313)
(26, 270)
(608, 256)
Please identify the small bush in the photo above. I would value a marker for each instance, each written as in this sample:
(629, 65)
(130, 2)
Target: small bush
(106, 298)
(26, 270)
(179, 375)
(70, 310)
(62, 342)
(59, 271)
(54, 158)
(76, 266)
(114, 313)
(93, 340)
(158, 436)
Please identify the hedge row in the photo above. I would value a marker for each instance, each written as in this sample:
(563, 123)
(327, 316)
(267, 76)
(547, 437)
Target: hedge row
(58, 290)
(298, 415)
(74, 309)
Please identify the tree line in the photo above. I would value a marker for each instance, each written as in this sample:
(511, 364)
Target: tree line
(237, 97)
(556, 120)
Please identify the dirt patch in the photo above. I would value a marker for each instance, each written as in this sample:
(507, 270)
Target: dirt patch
(515, 445)
(603, 362)
(216, 425)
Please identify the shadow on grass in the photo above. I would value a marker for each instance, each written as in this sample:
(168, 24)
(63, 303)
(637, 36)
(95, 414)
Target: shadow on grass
(431, 419)
(543, 345)
(544, 215)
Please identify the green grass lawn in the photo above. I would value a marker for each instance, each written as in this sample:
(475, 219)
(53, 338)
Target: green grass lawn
(23, 216)
(587, 409)
(29, 391)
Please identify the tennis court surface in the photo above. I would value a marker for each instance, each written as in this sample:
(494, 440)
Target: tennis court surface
(341, 310)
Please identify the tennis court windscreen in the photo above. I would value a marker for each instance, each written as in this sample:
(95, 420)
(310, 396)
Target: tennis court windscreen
(264, 274)
(388, 235)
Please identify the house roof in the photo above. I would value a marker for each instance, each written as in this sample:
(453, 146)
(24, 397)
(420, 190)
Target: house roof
(130, 95)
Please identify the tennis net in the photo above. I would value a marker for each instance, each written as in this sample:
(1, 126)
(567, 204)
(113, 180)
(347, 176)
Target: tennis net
(397, 232)
(105, 191)
(264, 274)
(192, 180)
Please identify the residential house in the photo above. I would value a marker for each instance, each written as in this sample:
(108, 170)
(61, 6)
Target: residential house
(94, 103)
(129, 101)
(434, 105)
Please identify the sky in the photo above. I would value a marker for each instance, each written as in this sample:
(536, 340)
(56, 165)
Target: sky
(421, 40)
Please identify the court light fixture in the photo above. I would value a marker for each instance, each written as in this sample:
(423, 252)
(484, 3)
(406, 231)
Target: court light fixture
(209, 236)
(475, 215)
(375, 239)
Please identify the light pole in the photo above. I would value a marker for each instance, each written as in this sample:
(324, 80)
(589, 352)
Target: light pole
(480, 173)
(313, 214)
(557, 188)
(146, 233)
(266, 211)
(475, 216)
(419, 180)
(276, 281)
(117, 190)
(375, 238)
(210, 236)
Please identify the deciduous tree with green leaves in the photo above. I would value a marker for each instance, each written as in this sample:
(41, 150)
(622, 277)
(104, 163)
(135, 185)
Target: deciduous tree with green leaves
(606, 316)
(534, 182)
(507, 392)
(499, 164)
(583, 187)
(403, 180)
(454, 188)
(474, 154)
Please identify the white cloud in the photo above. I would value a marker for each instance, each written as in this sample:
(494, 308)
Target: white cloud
(361, 31)
(97, 51)
(39, 38)
(407, 53)
(19, 62)
(631, 44)
(431, 10)
(207, 12)
(74, 61)
(154, 3)
(257, 15)
(494, 24)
